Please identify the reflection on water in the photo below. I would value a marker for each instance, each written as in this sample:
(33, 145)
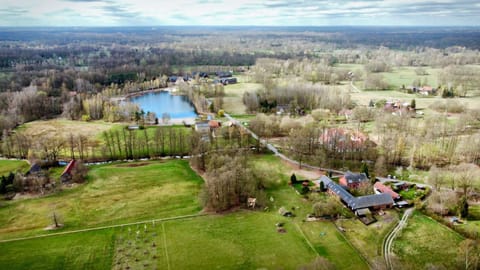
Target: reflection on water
(162, 102)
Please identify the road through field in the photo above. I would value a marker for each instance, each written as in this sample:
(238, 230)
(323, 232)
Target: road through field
(387, 244)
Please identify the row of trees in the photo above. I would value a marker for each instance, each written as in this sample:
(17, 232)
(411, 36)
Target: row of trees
(297, 98)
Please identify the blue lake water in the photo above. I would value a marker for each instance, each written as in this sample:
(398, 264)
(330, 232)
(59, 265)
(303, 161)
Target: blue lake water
(162, 102)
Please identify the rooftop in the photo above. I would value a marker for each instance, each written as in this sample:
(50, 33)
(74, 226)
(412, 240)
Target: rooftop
(356, 202)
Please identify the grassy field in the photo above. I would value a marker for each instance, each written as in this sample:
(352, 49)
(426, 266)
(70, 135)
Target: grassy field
(233, 100)
(63, 128)
(425, 241)
(7, 166)
(329, 243)
(472, 224)
(89, 250)
(114, 194)
(137, 191)
(406, 75)
(369, 239)
(241, 240)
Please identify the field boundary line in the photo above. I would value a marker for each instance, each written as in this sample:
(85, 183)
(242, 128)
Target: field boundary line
(306, 239)
(102, 228)
(352, 246)
(165, 245)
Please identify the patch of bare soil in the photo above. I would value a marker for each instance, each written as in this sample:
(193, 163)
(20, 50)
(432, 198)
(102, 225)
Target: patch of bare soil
(53, 227)
(304, 173)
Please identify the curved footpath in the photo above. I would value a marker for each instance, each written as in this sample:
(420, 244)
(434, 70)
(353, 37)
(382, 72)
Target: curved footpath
(387, 244)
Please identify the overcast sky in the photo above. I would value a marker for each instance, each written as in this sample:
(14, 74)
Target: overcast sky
(239, 12)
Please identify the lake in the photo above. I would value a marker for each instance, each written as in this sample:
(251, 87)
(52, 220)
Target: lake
(179, 107)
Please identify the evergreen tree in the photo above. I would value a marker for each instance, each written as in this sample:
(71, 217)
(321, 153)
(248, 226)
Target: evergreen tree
(293, 179)
(364, 169)
(463, 207)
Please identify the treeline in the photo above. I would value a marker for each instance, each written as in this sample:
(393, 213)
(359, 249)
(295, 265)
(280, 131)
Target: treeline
(114, 144)
(122, 143)
(297, 98)
(62, 59)
(43, 102)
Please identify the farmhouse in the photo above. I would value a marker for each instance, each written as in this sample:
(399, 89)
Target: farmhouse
(353, 180)
(381, 188)
(342, 140)
(214, 124)
(357, 204)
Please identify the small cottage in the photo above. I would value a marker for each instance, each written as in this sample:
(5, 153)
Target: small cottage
(66, 175)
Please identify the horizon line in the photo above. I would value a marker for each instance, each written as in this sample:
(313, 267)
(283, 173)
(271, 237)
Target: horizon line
(256, 26)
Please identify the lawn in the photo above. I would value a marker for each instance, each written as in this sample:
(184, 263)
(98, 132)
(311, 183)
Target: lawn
(133, 191)
(7, 166)
(369, 239)
(424, 242)
(472, 224)
(233, 100)
(116, 193)
(240, 240)
(364, 97)
(62, 128)
(329, 243)
(89, 250)
(406, 75)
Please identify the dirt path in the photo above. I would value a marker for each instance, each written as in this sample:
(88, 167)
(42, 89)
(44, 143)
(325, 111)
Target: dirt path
(387, 244)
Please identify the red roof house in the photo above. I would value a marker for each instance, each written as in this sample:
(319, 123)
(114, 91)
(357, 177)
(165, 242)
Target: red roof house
(67, 173)
(213, 124)
(381, 188)
(343, 140)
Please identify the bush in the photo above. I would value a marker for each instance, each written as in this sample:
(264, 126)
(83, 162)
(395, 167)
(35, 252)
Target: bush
(305, 190)
(85, 117)
(451, 106)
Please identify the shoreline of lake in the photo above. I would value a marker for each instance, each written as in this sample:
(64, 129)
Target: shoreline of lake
(165, 100)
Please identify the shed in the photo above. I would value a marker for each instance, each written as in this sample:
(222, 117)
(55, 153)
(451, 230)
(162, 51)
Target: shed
(402, 204)
(362, 212)
(202, 127)
(282, 211)
(67, 172)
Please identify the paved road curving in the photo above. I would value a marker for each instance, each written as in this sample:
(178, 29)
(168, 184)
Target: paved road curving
(387, 244)
(275, 150)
